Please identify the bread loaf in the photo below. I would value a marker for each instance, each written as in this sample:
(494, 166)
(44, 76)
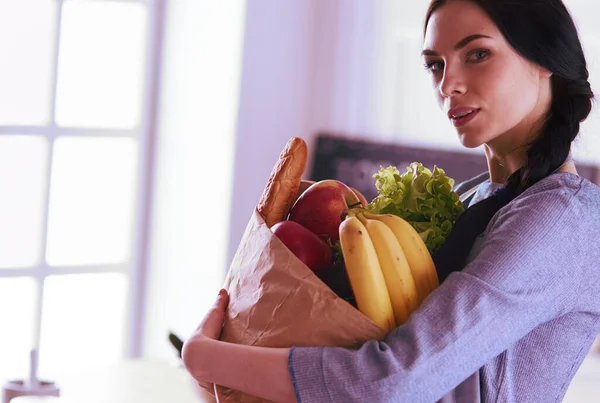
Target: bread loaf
(284, 182)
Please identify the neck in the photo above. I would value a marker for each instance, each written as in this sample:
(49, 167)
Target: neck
(501, 168)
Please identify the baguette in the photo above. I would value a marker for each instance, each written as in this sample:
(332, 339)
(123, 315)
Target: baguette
(284, 182)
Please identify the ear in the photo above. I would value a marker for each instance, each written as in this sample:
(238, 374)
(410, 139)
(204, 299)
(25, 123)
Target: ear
(544, 73)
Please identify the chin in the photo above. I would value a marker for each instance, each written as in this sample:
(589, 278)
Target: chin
(470, 142)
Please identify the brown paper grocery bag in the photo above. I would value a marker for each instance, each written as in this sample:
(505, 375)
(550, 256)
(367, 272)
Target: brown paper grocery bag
(277, 301)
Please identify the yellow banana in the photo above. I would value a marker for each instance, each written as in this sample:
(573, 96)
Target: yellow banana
(395, 268)
(418, 257)
(364, 273)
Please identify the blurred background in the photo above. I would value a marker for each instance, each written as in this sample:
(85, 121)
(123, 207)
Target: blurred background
(136, 137)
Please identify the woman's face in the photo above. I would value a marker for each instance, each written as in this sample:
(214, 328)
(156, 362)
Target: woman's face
(490, 93)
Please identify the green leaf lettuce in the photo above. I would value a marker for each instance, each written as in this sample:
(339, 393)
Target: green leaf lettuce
(423, 198)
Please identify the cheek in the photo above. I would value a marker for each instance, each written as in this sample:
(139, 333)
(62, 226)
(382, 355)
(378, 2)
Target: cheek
(512, 96)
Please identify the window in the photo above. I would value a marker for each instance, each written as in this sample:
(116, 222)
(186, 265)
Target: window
(78, 87)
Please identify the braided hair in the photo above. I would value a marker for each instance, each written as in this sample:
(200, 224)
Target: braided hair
(543, 32)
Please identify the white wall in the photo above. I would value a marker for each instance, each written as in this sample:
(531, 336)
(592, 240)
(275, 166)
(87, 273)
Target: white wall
(585, 14)
(299, 78)
(273, 99)
(275, 96)
(194, 164)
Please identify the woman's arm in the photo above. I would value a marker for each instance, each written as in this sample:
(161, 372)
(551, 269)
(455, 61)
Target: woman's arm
(259, 371)
(526, 274)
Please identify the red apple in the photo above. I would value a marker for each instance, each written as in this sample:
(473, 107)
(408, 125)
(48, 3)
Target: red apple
(304, 184)
(321, 206)
(307, 247)
(361, 197)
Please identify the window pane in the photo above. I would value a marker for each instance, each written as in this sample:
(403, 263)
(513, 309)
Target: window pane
(27, 32)
(91, 212)
(83, 319)
(101, 64)
(23, 173)
(17, 310)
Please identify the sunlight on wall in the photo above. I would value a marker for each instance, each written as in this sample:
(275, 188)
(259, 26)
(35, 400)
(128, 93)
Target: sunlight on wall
(203, 46)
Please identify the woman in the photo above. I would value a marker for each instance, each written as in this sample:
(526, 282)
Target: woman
(518, 309)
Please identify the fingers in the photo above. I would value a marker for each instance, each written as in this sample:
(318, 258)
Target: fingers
(222, 300)
(220, 305)
(213, 321)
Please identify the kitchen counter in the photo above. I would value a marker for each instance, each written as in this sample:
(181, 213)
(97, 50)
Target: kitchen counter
(132, 381)
(160, 381)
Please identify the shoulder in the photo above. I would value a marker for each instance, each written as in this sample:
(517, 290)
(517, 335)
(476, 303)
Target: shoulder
(560, 196)
(542, 240)
(465, 186)
(469, 190)
(552, 224)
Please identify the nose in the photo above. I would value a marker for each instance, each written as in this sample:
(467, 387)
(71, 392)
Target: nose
(452, 83)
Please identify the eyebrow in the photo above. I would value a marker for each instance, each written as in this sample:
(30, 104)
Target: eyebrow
(461, 44)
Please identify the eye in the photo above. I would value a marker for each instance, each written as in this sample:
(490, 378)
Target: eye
(478, 55)
(434, 66)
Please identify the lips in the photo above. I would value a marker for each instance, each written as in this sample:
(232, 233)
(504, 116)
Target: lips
(460, 111)
(462, 115)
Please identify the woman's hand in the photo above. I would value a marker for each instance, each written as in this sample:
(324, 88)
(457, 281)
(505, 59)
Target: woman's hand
(194, 347)
(258, 371)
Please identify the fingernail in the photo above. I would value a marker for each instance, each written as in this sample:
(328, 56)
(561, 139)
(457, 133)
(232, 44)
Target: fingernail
(222, 292)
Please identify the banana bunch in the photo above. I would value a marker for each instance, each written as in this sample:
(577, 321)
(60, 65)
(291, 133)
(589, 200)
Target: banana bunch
(389, 267)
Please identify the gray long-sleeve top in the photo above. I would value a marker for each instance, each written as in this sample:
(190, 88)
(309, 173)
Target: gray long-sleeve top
(519, 318)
